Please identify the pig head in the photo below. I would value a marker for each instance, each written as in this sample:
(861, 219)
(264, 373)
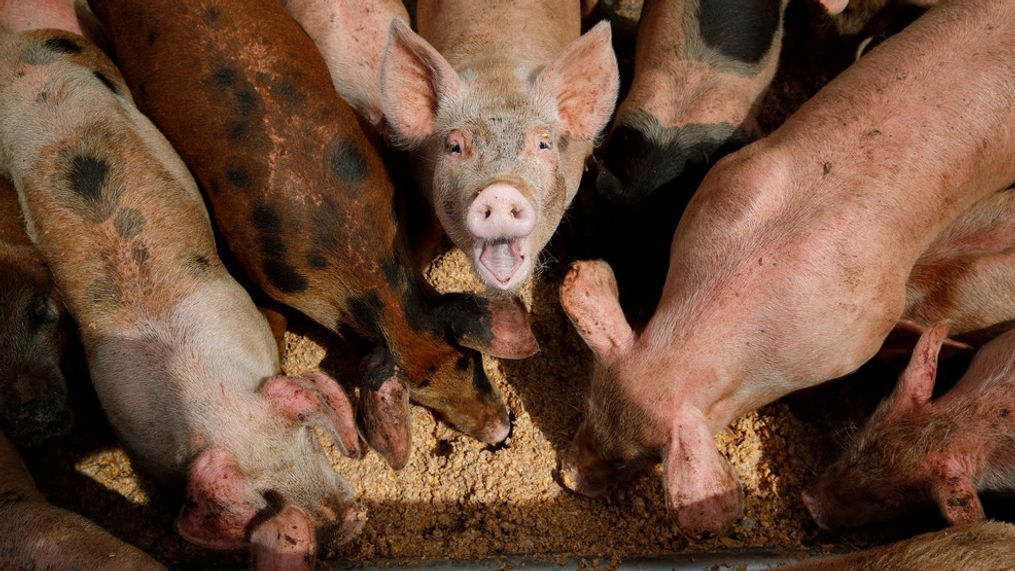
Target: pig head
(914, 451)
(500, 152)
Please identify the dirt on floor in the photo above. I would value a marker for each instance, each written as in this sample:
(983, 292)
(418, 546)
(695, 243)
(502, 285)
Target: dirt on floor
(460, 499)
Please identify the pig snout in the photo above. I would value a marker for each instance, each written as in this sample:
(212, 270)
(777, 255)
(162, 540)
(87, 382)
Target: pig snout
(816, 509)
(500, 218)
(36, 408)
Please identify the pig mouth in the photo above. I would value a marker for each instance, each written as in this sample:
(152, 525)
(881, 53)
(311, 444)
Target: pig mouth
(502, 263)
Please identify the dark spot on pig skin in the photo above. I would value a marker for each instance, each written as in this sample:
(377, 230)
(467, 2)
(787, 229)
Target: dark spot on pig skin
(41, 97)
(103, 295)
(238, 177)
(317, 260)
(642, 157)
(237, 130)
(152, 36)
(1005, 413)
(347, 161)
(87, 176)
(139, 254)
(279, 273)
(106, 81)
(740, 29)
(462, 364)
(62, 46)
(364, 309)
(225, 78)
(480, 381)
(212, 16)
(128, 222)
(245, 102)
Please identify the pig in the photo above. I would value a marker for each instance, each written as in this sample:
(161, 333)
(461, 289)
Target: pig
(184, 366)
(701, 70)
(789, 266)
(914, 450)
(967, 275)
(37, 535)
(975, 547)
(301, 196)
(501, 107)
(351, 35)
(34, 332)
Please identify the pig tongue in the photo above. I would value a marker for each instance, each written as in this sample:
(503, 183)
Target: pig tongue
(502, 259)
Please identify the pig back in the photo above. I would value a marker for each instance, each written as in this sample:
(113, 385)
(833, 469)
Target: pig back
(244, 96)
(526, 31)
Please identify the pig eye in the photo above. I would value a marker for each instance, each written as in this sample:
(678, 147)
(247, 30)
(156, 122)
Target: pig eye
(455, 148)
(456, 143)
(544, 144)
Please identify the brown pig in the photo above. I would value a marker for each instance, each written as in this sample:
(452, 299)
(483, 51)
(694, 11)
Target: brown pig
(913, 449)
(303, 200)
(789, 266)
(975, 547)
(701, 69)
(351, 35)
(183, 364)
(33, 334)
(37, 535)
(501, 105)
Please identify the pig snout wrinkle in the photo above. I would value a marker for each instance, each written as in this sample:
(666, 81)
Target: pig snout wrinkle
(500, 212)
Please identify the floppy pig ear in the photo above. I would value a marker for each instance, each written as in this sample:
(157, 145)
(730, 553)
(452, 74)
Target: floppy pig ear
(583, 80)
(219, 503)
(285, 541)
(497, 326)
(414, 80)
(590, 298)
(384, 409)
(702, 489)
(316, 398)
(916, 384)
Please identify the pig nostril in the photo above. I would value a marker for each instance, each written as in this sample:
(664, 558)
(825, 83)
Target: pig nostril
(488, 213)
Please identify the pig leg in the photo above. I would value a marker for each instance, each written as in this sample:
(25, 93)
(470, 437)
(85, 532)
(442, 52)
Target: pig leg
(384, 409)
(955, 493)
(36, 535)
(702, 489)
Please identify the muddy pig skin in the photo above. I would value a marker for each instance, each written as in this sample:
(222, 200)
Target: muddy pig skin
(37, 535)
(967, 275)
(789, 266)
(701, 69)
(183, 364)
(914, 450)
(33, 334)
(501, 105)
(975, 547)
(302, 198)
(351, 35)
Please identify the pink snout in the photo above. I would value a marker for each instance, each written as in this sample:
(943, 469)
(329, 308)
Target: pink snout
(500, 212)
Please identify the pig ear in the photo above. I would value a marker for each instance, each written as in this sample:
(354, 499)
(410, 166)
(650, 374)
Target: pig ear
(285, 541)
(703, 492)
(415, 80)
(916, 384)
(315, 398)
(497, 326)
(833, 7)
(219, 504)
(384, 409)
(590, 298)
(583, 81)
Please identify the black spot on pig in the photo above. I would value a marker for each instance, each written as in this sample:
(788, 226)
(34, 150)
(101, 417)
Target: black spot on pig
(139, 254)
(106, 81)
(46, 52)
(1005, 413)
(347, 161)
(128, 222)
(641, 156)
(237, 130)
(238, 177)
(480, 381)
(465, 316)
(279, 273)
(285, 90)
(87, 175)
(245, 101)
(740, 29)
(152, 37)
(213, 16)
(103, 295)
(225, 78)
(62, 46)
(364, 310)
(317, 260)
